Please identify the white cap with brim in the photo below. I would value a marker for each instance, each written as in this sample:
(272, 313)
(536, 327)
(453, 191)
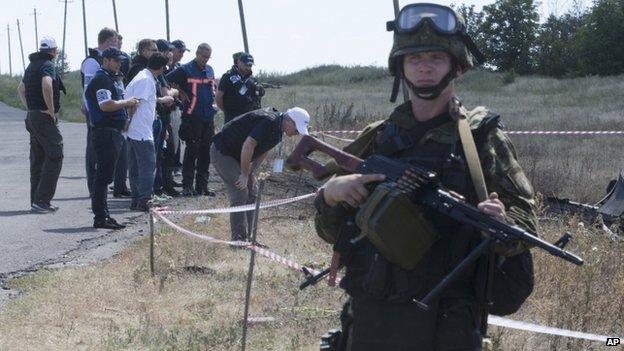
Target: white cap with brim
(47, 43)
(301, 119)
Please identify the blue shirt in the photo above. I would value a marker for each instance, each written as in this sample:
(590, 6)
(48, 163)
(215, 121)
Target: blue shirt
(199, 85)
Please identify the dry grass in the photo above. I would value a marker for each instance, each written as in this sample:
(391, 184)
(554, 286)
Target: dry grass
(196, 300)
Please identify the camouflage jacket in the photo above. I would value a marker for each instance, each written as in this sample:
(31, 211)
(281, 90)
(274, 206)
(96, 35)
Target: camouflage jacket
(501, 170)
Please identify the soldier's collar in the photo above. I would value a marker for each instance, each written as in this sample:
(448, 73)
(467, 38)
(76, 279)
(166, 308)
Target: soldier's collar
(405, 119)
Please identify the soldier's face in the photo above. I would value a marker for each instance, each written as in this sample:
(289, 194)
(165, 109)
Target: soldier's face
(426, 69)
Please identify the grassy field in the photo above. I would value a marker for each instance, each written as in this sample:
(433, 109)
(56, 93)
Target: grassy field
(195, 301)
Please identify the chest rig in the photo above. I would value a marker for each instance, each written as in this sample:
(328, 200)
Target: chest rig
(447, 242)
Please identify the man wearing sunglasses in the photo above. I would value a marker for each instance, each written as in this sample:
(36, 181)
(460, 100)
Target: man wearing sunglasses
(431, 49)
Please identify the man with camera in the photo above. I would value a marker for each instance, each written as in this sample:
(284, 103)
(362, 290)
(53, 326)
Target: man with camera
(239, 92)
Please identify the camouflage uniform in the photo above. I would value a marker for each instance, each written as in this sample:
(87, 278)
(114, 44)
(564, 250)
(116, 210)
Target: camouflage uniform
(380, 314)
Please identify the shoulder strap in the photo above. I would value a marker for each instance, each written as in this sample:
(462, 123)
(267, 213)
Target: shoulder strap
(470, 149)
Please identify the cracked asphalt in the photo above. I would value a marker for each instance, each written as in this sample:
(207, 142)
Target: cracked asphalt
(29, 241)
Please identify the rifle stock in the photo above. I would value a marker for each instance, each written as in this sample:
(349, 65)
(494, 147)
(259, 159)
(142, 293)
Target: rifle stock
(299, 158)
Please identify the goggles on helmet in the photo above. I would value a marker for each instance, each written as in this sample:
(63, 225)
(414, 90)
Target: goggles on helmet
(412, 17)
(441, 18)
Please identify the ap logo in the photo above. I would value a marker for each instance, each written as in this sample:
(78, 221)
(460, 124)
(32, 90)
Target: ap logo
(613, 341)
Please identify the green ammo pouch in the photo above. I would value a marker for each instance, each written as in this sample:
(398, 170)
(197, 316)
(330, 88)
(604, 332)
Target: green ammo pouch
(395, 226)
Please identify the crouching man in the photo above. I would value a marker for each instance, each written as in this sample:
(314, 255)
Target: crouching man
(241, 147)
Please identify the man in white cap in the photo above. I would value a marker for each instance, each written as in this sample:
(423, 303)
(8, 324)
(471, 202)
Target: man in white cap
(39, 91)
(241, 147)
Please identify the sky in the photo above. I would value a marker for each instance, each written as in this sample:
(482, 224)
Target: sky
(284, 35)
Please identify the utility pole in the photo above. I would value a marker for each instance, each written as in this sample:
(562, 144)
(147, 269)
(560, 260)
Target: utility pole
(115, 14)
(167, 19)
(84, 28)
(9, 42)
(404, 88)
(19, 34)
(243, 28)
(36, 33)
(64, 32)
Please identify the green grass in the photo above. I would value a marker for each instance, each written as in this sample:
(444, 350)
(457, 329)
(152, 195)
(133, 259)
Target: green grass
(351, 97)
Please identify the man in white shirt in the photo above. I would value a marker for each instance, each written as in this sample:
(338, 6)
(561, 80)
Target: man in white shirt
(142, 156)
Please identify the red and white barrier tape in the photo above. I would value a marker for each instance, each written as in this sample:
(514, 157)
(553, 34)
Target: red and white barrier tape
(244, 244)
(516, 132)
(493, 320)
(508, 323)
(336, 138)
(241, 208)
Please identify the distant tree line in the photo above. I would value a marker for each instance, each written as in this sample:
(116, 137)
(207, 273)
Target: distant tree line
(577, 43)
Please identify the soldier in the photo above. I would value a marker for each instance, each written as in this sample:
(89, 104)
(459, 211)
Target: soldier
(431, 49)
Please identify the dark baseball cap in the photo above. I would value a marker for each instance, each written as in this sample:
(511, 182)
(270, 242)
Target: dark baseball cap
(180, 45)
(247, 59)
(114, 53)
(164, 45)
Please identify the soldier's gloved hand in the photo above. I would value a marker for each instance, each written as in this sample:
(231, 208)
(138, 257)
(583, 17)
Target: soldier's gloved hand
(349, 188)
(493, 207)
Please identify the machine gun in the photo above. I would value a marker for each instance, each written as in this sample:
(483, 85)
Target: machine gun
(424, 188)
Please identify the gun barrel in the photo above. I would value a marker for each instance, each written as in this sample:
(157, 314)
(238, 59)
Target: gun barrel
(463, 212)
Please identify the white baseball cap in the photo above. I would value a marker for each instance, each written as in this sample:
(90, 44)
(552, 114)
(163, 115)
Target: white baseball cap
(301, 119)
(47, 42)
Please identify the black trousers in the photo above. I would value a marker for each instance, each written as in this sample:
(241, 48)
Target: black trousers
(197, 133)
(107, 145)
(370, 325)
(46, 155)
(89, 160)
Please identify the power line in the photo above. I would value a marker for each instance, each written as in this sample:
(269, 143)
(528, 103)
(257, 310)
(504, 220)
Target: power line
(64, 32)
(84, 27)
(167, 19)
(19, 34)
(115, 15)
(36, 32)
(243, 27)
(9, 42)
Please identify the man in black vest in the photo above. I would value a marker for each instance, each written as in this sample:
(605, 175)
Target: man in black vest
(107, 115)
(241, 147)
(39, 91)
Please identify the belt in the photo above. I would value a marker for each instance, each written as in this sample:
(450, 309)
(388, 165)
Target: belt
(107, 128)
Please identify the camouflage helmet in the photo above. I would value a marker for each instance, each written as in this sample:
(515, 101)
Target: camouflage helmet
(426, 38)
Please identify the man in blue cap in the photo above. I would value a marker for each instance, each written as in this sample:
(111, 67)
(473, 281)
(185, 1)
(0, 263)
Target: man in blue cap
(107, 114)
(239, 92)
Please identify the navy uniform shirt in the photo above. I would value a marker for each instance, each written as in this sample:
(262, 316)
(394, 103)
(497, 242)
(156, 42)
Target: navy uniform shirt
(239, 93)
(104, 87)
(264, 126)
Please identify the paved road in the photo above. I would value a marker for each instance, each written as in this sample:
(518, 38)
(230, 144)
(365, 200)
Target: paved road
(29, 240)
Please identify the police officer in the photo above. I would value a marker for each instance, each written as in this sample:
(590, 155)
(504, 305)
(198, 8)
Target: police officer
(239, 150)
(196, 82)
(39, 91)
(108, 116)
(239, 91)
(431, 49)
(107, 38)
(179, 49)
